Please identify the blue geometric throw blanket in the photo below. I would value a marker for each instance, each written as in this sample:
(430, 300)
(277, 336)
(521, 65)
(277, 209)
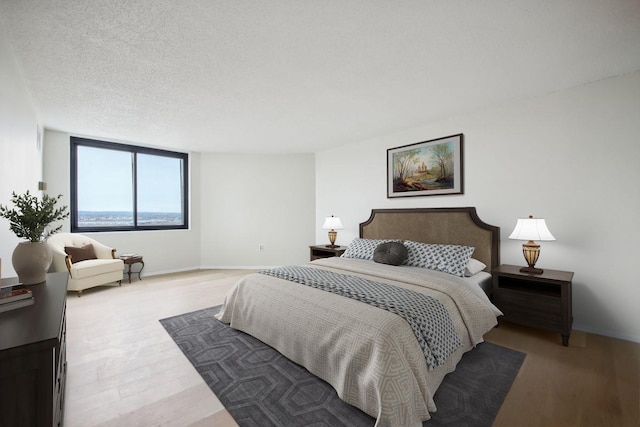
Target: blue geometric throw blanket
(427, 317)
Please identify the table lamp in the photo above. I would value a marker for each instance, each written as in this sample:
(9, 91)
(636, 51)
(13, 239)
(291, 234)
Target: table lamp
(531, 229)
(332, 223)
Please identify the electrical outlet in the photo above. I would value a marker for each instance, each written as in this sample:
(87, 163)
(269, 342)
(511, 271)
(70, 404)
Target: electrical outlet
(261, 247)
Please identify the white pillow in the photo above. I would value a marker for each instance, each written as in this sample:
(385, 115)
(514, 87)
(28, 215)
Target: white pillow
(474, 267)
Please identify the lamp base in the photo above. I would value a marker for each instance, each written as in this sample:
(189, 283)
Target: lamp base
(331, 246)
(531, 251)
(531, 270)
(332, 238)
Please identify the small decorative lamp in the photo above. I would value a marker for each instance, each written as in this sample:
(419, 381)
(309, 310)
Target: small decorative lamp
(332, 223)
(531, 229)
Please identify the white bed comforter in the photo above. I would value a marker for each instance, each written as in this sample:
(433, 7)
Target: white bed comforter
(370, 356)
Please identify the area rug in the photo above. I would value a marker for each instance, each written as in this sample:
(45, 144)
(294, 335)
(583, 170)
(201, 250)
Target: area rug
(260, 387)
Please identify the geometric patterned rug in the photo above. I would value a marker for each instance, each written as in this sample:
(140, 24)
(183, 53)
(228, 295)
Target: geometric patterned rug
(260, 387)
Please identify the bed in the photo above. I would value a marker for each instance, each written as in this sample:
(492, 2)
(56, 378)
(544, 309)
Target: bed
(374, 358)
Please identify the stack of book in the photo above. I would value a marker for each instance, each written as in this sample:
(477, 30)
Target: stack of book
(14, 296)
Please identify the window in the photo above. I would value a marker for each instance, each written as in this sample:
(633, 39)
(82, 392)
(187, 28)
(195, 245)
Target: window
(119, 187)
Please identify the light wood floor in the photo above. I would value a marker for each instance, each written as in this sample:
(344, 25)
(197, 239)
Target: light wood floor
(124, 369)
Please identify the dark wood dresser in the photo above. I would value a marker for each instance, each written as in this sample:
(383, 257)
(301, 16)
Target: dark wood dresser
(33, 363)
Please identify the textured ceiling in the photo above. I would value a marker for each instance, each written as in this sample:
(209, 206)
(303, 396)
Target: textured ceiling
(300, 76)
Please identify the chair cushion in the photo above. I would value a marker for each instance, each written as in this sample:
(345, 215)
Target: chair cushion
(94, 267)
(81, 254)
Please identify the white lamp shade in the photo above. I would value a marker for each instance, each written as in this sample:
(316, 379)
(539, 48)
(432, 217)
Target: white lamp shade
(531, 229)
(332, 223)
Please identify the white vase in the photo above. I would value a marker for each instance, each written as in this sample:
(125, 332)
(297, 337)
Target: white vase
(31, 261)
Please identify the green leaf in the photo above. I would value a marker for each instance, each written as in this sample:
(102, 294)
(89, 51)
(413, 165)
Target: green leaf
(31, 217)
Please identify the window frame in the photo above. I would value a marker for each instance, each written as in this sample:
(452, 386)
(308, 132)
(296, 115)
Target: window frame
(134, 150)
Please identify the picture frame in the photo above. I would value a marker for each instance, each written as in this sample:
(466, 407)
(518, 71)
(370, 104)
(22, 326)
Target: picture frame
(428, 168)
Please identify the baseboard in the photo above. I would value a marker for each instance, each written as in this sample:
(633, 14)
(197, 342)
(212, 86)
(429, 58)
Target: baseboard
(606, 333)
(217, 267)
(238, 267)
(161, 272)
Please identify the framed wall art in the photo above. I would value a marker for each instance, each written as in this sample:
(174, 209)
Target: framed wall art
(429, 168)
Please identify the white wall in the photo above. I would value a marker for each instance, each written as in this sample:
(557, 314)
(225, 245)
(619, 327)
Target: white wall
(253, 200)
(163, 251)
(238, 202)
(569, 157)
(20, 155)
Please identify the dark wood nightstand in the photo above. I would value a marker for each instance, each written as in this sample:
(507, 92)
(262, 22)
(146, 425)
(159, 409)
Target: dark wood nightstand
(537, 300)
(322, 251)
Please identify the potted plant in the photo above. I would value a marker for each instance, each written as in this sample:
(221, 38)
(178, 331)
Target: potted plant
(30, 219)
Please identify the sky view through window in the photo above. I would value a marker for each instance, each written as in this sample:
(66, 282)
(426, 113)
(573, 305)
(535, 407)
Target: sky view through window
(105, 181)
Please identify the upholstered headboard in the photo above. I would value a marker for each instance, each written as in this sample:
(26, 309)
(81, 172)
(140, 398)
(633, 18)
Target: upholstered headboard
(452, 226)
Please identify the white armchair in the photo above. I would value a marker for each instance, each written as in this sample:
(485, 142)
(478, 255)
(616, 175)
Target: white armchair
(85, 273)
